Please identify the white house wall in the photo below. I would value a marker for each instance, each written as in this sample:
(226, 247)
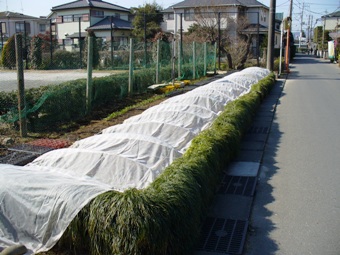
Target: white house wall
(69, 28)
(231, 12)
(34, 26)
(260, 15)
(332, 23)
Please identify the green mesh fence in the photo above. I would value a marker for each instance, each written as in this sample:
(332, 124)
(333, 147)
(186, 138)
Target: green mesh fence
(52, 105)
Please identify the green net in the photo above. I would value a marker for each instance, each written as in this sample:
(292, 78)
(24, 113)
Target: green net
(144, 64)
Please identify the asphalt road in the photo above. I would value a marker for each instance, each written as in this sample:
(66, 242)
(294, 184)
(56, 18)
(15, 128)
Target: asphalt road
(33, 78)
(297, 204)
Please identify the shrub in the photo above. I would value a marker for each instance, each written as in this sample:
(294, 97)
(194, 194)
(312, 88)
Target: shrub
(8, 57)
(63, 59)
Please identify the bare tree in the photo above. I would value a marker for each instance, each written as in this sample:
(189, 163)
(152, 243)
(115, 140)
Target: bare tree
(238, 41)
(232, 30)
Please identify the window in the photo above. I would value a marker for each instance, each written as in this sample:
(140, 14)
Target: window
(3, 27)
(189, 15)
(98, 14)
(42, 28)
(85, 17)
(68, 18)
(169, 16)
(59, 19)
(117, 15)
(76, 17)
(22, 27)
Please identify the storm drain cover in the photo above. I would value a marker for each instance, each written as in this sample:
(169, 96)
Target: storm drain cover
(224, 236)
(258, 130)
(238, 185)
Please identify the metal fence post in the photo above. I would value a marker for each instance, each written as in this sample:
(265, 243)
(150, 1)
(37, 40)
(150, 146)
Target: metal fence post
(111, 30)
(25, 56)
(215, 57)
(89, 75)
(219, 40)
(157, 61)
(21, 85)
(179, 60)
(79, 43)
(51, 46)
(145, 44)
(205, 58)
(131, 67)
(194, 60)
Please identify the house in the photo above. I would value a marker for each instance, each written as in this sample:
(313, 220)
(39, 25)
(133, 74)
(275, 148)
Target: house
(186, 13)
(13, 22)
(71, 21)
(332, 24)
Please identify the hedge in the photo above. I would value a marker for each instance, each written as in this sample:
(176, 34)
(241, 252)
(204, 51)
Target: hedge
(165, 218)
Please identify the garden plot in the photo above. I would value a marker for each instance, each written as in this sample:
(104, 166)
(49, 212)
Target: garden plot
(39, 200)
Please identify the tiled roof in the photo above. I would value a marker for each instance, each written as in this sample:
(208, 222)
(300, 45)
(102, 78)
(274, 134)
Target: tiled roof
(332, 15)
(117, 23)
(204, 3)
(15, 15)
(89, 3)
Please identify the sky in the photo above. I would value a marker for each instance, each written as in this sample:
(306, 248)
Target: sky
(312, 10)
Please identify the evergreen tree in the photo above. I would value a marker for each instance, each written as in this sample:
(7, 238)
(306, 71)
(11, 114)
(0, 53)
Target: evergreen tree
(8, 57)
(148, 17)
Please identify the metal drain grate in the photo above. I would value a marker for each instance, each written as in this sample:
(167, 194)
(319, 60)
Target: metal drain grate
(223, 235)
(258, 130)
(238, 185)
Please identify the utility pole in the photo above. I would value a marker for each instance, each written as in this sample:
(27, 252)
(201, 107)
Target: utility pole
(303, 6)
(311, 29)
(289, 19)
(308, 29)
(271, 33)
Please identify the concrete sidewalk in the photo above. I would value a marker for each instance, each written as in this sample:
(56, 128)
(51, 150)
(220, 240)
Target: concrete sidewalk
(281, 195)
(297, 204)
(227, 224)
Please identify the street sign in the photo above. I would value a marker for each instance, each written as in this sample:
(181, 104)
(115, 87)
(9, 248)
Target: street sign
(287, 23)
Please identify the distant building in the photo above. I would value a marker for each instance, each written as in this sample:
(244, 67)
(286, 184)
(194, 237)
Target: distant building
(13, 22)
(71, 21)
(332, 23)
(182, 15)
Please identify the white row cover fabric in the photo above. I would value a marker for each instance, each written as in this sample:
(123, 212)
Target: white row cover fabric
(176, 136)
(36, 207)
(38, 201)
